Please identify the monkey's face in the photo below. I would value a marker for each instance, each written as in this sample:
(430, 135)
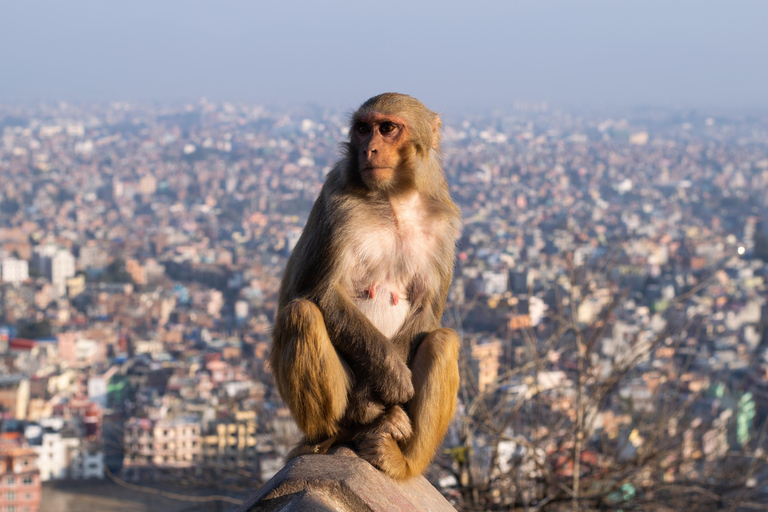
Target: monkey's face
(379, 141)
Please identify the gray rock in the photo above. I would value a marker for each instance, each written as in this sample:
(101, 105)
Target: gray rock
(342, 482)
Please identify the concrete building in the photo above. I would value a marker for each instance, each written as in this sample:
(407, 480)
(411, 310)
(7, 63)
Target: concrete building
(165, 445)
(62, 453)
(484, 361)
(14, 396)
(494, 283)
(19, 479)
(231, 443)
(54, 455)
(62, 268)
(41, 258)
(87, 463)
(14, 271)
(56, 264)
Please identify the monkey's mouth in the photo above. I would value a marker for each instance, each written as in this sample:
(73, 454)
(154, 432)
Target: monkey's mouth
(376, 175)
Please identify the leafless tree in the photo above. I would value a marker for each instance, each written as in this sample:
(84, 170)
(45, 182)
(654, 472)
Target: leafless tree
(574, 422)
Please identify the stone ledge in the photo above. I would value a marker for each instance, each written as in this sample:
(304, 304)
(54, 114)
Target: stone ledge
(342, 482)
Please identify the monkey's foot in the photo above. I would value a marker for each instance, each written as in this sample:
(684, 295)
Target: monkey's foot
(396, 423)
(382, 451)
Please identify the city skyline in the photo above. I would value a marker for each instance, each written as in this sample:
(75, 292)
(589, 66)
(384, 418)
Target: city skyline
(597, 54)
(141, 248)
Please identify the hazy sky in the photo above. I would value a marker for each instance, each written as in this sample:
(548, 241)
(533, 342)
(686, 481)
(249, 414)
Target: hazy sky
(450, 54)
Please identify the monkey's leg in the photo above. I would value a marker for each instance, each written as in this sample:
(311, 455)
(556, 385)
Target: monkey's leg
(435, 372)
(310, 376)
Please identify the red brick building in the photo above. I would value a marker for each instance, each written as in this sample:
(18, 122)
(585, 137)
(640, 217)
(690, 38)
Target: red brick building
(19, 479)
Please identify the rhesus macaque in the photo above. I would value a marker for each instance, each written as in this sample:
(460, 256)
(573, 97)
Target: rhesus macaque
(358, 353)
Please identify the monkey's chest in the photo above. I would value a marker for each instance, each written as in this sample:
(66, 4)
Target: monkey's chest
(385, 266)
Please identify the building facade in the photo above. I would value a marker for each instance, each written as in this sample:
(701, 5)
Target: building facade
(165, 446)
(19, 479)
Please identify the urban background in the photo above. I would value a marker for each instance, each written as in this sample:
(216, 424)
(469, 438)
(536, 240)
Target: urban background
(610, 290)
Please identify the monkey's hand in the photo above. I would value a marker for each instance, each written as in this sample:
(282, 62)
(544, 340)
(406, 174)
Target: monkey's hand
(394, 384)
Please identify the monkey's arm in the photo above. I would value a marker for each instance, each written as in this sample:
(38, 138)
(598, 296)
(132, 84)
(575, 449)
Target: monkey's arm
(315, 272)
(419, 323)
(371, 355)
(426, 310)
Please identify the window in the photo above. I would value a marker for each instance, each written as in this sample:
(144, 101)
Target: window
(10, 496)
(10, 481)
(27, 480)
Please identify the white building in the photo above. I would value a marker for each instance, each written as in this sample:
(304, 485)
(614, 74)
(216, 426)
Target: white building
(61, 457)
(14, 271)
(537, 310)
(62, 268)
(56, 264)
(53, 455)
(495, 283)
(97, 390)
(87, 464)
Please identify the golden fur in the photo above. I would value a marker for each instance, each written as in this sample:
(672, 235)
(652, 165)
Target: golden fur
(358, 353)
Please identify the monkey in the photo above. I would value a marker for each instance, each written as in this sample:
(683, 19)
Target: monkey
(358, 353)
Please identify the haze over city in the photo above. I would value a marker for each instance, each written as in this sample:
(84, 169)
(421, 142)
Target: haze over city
(451, 54)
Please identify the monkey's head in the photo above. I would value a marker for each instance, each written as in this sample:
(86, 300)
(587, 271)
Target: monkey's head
(391, 135)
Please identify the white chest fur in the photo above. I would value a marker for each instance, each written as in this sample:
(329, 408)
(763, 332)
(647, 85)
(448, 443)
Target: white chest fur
(385, 257)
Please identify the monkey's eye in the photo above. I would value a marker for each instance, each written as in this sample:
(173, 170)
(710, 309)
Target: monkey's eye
(363, 129)
(387, 127)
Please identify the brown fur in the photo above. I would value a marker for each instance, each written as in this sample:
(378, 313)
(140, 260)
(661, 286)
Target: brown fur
(357, 339)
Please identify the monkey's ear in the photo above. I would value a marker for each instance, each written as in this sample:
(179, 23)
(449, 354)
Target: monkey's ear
(437, 124)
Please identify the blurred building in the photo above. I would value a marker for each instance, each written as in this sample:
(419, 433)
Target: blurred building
(14, 271)
(231, 443)
(63, 454)
(484, 361)
(14, 396)
(152, 447)
(19, 479)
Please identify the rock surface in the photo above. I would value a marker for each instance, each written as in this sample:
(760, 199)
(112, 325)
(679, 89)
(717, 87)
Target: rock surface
(342, 482)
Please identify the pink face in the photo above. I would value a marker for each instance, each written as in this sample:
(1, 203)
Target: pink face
(378, 139)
